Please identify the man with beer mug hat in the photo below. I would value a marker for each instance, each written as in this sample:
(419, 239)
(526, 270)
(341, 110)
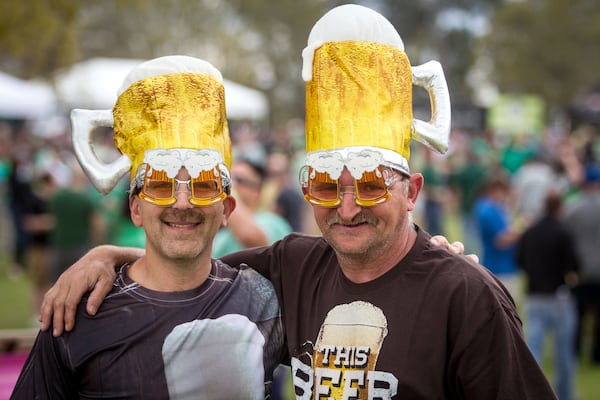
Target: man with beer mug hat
(176, 323)
(373, 309)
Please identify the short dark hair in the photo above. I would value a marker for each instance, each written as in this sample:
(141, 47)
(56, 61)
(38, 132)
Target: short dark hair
(258, 167)
(553, 203)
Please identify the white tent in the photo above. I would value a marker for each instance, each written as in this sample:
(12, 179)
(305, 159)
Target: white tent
(93, 84)
(20, 99)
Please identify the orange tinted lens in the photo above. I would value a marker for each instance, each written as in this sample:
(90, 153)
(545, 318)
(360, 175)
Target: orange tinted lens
(371, 186)
(158, 185)
(321, 187)
(205, 189)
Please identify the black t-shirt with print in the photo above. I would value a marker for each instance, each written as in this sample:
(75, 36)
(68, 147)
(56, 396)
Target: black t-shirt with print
(436, 326)
(221, 340)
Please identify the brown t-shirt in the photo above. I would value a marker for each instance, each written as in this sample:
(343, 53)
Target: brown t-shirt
(437, 326)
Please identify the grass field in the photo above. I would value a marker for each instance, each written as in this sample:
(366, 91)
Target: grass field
(16, 311)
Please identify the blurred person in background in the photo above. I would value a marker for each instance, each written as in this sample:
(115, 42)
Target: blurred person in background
(467, 179)
(78, 225)
(249, 226)
(28, 221)
(553, 166)
(434, 195)
(283, 194)
(39, 223)
(516, 152)
(499, 232)
(546, 253)
(6, 221)
(531, 183)
(20, 194)
(583, 218)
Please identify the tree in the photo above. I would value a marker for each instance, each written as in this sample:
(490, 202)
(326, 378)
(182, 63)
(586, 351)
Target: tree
(254, 42)
(444, 30)
(37, 36)
(548, 48)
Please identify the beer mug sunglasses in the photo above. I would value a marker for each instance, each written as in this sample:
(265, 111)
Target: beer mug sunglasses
(160, 190)
(371, 189)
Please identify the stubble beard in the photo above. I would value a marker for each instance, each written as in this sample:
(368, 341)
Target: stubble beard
(362, 250)
(371, 248)
(187, 247)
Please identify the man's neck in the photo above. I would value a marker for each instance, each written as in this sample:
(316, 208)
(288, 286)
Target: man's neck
(169, 276)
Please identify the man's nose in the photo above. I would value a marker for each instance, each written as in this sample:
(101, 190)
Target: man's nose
(348, 208)
(182, 194)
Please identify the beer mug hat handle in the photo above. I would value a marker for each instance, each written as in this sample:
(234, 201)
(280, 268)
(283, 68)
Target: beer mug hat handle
(104, 176)
(435, 133)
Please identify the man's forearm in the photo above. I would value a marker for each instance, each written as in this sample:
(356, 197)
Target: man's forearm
(94, 272)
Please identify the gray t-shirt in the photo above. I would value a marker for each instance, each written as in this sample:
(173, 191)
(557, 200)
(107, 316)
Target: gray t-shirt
(221, 340)
(583, 219)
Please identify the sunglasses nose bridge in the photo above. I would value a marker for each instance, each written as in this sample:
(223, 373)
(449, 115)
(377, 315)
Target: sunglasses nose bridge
(347, 189)
(186, 184)
(182, 194)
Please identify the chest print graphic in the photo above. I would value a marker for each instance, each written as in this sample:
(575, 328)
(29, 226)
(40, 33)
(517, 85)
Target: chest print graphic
(341, 364)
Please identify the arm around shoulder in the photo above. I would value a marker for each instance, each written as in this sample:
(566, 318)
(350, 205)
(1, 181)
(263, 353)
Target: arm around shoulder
(93, 272)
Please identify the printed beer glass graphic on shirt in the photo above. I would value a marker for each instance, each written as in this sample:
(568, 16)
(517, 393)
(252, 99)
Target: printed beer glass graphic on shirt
(345, 354)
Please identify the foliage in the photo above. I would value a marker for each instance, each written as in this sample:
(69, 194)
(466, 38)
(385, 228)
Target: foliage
(427, 38)
(549, 48)
(37, 36)
(533, 46)
(255, 42)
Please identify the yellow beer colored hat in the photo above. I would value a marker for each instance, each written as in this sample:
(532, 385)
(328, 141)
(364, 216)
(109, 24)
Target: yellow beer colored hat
(359, 95)
(169, 110)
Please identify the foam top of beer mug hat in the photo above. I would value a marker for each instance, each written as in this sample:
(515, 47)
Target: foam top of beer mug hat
(348, 22)
(169, 65)
(172, 102)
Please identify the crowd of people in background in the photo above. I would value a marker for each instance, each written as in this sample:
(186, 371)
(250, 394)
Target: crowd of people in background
(529, 205)
(487, 191)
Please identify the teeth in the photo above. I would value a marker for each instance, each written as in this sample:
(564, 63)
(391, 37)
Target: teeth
(180, 225)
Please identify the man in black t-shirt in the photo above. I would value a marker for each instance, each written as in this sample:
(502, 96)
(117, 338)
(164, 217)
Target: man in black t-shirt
(547, 254)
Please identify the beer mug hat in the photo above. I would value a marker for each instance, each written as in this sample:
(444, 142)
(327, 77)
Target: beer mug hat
(173, 106)
(169, 103)
(359, 84)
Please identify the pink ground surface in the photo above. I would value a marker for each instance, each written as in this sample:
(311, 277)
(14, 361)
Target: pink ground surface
(10, 367)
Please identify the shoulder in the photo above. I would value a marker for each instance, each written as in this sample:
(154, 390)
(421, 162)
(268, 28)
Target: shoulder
(458, 275)
(250, 293)
(243, 276)
(303, 240)
(299, 246)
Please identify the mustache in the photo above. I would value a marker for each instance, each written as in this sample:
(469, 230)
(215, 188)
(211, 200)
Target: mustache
(360, 218)
(194, 215)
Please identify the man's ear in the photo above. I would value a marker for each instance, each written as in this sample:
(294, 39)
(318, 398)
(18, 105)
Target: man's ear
(228, 206)
(135, 210)
(415, 184)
